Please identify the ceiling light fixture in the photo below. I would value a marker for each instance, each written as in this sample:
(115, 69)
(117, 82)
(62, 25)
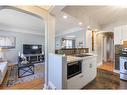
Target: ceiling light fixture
(96, 30)
(65, 16)
(80, 23)
(89, 28)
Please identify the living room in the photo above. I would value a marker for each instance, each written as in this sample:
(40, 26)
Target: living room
(21, 43)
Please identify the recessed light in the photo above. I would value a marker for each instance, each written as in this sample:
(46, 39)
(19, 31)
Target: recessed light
(65, 16)
(96, 29)
(88, 27)
(80, 23)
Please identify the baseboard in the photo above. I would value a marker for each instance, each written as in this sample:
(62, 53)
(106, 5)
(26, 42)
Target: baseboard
(45, 87)
(51, 86)
(99, 64)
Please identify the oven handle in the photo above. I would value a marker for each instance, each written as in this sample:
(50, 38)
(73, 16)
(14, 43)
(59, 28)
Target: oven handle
(72, 63)
(125, 65)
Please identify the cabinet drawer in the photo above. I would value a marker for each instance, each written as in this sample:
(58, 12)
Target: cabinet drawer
(76, 82)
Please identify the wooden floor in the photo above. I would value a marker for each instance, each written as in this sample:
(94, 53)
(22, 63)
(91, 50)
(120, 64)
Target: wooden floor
(104, 80)
(108, 66)
(34, 84)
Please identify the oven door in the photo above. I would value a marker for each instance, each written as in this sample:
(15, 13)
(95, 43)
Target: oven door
(73, 69)
(123, 65)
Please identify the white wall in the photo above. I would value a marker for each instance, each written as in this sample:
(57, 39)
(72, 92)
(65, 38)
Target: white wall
(21, 38)
(79, 36)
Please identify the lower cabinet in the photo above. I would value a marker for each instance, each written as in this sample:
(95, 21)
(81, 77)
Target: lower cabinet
(89, 69)
(89, 72)
(76, 82)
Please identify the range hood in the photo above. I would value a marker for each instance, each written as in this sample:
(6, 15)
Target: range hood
(7, 42)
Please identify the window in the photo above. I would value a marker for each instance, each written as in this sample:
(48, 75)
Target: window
(68, 43)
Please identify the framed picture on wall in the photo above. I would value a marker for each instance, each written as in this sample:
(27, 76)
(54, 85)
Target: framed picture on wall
(7, 42)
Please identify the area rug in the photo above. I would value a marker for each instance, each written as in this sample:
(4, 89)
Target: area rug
(12, 79)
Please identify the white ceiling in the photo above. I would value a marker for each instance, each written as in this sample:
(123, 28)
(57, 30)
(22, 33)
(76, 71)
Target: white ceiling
(65, 25)
(101, 15)
(12, 20)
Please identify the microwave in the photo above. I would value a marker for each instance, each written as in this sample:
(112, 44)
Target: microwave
(74, 68)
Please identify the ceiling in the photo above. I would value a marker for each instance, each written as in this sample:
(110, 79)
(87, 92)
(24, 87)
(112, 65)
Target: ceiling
(65, 25)
(100, 15)
(47, 7)
(12, 20)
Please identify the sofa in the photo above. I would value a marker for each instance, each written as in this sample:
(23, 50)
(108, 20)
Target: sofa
(3, 70)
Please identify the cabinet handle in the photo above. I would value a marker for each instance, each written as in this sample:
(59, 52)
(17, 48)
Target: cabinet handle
(81, 76)
(90, 66)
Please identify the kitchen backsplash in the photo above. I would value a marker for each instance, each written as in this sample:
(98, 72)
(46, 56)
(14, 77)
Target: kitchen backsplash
(72, 51)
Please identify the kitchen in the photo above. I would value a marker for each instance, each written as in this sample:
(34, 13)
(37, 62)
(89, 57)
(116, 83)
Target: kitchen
(87, 49)
(72, 72)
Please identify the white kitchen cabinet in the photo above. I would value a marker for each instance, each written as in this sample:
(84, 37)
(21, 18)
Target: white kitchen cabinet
(120, 34)
(124, 32)
(76, 82)
(58, 72)
(89, 69)
(89, 73)
(117, 35)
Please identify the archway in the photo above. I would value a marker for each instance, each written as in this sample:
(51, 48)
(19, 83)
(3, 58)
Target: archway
(49, 30)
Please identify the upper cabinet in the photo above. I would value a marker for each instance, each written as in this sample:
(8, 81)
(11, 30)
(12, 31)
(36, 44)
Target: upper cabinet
(120, 34)
(117, 35)
(7, 42)
(124, 32)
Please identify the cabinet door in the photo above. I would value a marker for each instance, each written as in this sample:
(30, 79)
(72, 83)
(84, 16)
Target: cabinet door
(117, 35)
(89, 69)
(92, 68)
(124, 32)
(85, 70)
(76, 82)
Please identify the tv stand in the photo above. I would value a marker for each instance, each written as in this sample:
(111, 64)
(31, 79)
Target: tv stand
(35, 58)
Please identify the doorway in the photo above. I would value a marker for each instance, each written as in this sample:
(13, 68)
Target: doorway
(105, 50)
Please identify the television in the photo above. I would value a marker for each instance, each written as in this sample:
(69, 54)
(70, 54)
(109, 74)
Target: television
(32, 49)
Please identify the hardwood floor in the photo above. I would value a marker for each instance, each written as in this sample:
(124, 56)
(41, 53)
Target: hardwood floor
(34, 84)
(108, 66)
(104, 80)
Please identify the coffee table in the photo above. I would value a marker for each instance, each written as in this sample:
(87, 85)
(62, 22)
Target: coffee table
(25, 69)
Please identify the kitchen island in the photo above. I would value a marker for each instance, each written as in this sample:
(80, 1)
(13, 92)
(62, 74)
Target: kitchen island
(72, 72)
(88, 71)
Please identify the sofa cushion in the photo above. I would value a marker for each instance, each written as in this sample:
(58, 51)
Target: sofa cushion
(3, 67)
(3, 70)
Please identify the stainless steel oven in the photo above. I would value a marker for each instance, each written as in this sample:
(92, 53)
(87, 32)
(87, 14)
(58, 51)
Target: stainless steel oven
(123, 68)
(74, 68)
(123, 64)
